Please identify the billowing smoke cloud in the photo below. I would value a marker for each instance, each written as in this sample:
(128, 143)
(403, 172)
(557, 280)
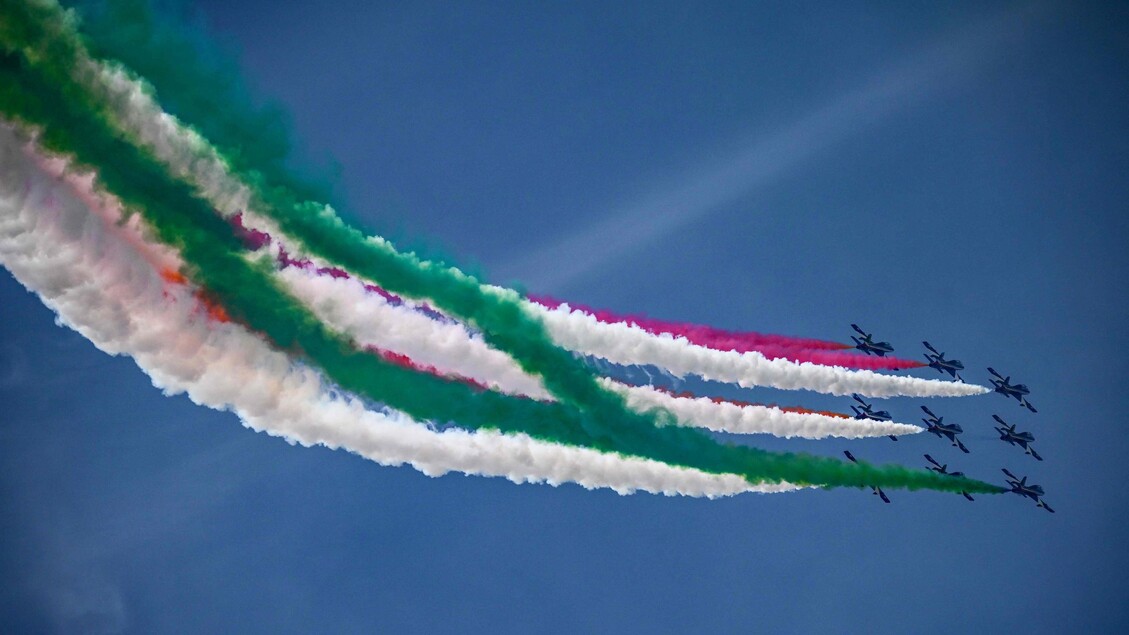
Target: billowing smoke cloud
(103, 279)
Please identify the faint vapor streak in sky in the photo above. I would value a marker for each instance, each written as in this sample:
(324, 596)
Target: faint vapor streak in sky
(761, 159)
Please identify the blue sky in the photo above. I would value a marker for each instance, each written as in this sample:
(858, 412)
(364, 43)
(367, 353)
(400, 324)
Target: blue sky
(945, 172)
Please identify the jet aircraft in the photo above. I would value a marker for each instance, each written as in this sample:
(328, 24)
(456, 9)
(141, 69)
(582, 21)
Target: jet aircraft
(867, 411)
(944, 469)
(877, 490)
(1004, 386)
(1034, 492)
(936, 425)
(867, 344)
(938, 361)
(1012, 437)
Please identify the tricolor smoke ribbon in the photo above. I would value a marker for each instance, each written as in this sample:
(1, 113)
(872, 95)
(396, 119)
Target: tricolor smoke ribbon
(190, 258)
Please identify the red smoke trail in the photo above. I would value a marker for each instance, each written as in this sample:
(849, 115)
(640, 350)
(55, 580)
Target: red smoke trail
(793, 349)
(407, 362)
(702, 335)
(839, 358)
(689, 395)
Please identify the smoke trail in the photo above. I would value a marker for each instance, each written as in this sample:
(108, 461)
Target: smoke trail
(699, 334)
(626, 344)
(101, 276)
(180, 219)
(771, 346)
(721, 416)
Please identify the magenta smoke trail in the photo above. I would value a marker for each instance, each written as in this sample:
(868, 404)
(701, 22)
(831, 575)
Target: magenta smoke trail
(837, 358)
(796, 349)
(255, 239)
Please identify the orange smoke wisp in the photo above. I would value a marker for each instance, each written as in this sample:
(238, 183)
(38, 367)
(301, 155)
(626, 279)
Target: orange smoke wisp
(172, 276)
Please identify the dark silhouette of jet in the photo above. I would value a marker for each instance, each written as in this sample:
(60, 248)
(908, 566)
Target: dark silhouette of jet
(938, 361)
(936, 425)
(1004, 386)
(867, 411)
(1034, 492)
(867, 344)
(1012, 437)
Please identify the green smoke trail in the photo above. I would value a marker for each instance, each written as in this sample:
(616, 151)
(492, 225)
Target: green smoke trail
(74, 126)
(197, 83)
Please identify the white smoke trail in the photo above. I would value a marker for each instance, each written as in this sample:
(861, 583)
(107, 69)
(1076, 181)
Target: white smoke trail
(628, 344)
(754, 419)
(190, 157)
(86, 268)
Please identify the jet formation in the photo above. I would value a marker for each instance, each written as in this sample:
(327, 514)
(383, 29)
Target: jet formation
(936, 425)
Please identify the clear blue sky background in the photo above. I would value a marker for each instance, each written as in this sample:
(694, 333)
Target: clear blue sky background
(953, 172)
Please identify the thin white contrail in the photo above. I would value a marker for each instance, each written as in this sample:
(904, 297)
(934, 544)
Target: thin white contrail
(64, 241)
(763, 158)
(189, 156)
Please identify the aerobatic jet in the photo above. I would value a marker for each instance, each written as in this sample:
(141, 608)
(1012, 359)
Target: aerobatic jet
(944, 469)
(936, 425)
(1011, 436)
(1034, 492)
(867, 344)
(866, 411)
(877, 490)
(1004, 386)
(938, 361)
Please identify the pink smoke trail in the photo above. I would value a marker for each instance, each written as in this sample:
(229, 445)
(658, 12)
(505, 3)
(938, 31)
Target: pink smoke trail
(708, 336)
(795, 349)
